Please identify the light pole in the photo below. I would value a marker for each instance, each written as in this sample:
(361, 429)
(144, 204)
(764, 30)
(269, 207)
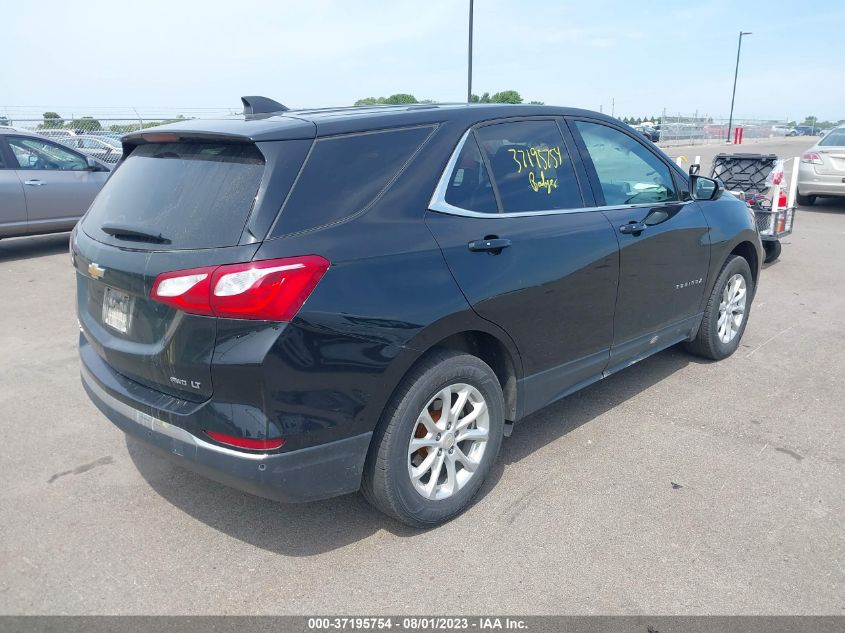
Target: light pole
(733, 94)
(469, 56)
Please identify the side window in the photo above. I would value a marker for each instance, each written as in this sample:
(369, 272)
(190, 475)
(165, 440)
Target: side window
(469, 185)
(344, 174)
(628, 172)
(33, 153)
(531, 167)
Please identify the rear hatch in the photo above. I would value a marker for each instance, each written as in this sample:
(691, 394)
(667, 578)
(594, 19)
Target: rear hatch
(169, 206)
(831, 151)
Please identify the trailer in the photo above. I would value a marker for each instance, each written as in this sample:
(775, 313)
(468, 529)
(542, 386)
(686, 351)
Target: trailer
(750, 178)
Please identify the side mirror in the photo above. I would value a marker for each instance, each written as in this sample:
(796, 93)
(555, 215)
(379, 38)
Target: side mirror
(93, 165)
(704, 188)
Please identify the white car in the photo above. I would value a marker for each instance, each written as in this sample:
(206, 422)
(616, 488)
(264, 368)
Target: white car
(822, 168)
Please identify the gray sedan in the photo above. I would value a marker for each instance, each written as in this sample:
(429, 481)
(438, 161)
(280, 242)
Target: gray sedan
(822, 168)
(45, 187)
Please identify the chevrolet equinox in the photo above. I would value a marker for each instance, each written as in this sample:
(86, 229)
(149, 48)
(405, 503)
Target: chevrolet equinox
(302, 304)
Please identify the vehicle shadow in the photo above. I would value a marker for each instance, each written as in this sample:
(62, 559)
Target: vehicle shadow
(825, 205)
(18, 248)
(314, 528)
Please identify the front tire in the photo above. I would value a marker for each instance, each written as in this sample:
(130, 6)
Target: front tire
(726, 313)
(772, 248)
(437, 440)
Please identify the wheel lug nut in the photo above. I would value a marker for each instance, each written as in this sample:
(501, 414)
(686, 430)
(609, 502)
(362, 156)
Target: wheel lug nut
(439, 451)
(438, 437)
(451, 450)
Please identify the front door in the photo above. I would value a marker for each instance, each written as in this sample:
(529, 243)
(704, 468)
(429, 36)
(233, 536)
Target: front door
(58, 183)
(528, 253)
(664, 241)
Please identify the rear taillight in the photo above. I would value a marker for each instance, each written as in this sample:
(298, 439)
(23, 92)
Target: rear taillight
(269, 290)
(811, 157)
(246, 442)
(186, 290)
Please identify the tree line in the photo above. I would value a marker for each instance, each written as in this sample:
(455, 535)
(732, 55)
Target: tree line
(505, 96)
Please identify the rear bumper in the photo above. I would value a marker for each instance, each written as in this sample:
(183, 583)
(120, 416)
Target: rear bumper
(813, 184)
(308, 474)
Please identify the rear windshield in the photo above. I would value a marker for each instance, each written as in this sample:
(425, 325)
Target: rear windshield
(194, 195)
(835, 138)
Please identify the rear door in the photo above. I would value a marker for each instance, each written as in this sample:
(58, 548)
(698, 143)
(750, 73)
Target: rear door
(664, 241)
(58, 184)
(12, 200)
(170, 206)
(528, 251)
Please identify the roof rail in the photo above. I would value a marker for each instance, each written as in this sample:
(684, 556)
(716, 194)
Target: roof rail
(257, 107)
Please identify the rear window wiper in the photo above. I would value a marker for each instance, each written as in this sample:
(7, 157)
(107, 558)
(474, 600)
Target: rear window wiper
(127, 232)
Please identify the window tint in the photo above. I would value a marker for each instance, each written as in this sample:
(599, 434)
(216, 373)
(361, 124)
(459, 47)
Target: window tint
(628, 172)
(197, 195)
(469, 185)
(33, 153)
(344, 174)
(530, 166)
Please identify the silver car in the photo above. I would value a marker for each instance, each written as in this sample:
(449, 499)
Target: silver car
(104, 148)
(45, 187)
(822, 168)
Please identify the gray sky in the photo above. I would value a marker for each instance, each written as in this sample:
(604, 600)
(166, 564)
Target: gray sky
(93, 56)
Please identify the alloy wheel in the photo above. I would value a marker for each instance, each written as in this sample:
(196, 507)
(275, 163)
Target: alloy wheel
(448, 441)
(732, 308)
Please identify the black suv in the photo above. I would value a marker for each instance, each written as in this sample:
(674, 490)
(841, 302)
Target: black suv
(300, 304)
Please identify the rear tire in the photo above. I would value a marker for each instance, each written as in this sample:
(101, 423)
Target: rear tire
(722, 328)
(772, 249)
(805, 201)
(414, 439)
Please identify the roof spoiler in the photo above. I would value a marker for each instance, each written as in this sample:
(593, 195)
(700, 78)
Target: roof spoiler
(261, 107)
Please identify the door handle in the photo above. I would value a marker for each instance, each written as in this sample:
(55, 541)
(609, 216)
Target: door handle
(34, 183)
(632, 228)
(490, 244)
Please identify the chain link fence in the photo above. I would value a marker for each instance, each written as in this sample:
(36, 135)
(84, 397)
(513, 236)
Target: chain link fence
(698, 130)
(97, 131)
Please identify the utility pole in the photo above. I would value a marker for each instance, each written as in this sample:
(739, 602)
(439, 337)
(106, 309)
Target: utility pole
(733, 94)
(469, 56)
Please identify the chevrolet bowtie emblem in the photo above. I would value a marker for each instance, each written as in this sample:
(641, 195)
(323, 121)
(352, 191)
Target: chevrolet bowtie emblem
(96, 271)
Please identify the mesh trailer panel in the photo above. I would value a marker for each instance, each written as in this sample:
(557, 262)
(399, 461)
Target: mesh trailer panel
(744, 172)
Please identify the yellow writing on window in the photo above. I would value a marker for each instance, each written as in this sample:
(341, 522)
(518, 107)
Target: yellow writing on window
(543, 183)
(540, 157)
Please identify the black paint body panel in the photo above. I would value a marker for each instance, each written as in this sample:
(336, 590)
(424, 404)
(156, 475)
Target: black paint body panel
(570, 300)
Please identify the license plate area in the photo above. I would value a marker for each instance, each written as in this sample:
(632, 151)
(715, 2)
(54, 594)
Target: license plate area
(117, 310)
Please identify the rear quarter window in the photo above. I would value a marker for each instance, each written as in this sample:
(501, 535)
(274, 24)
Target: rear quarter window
(343, 175)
